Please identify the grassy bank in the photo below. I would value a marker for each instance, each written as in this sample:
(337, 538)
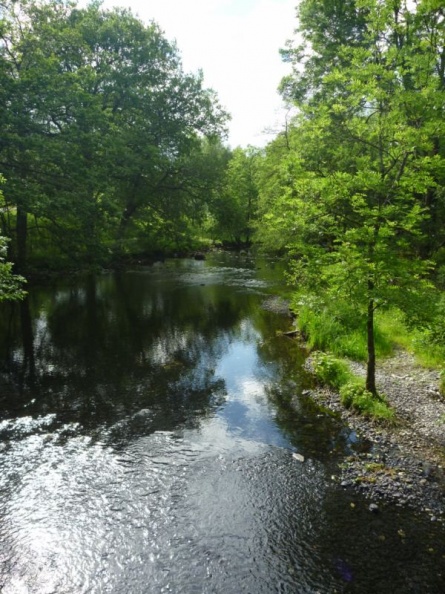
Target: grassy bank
(340, 330)
(336, 373)
(337, 333)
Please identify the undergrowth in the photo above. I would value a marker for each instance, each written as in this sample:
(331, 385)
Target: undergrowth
(336, 373)
(340, 329)
(427, 343)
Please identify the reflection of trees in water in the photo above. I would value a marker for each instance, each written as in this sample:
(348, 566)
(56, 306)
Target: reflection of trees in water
(114, 345)
(313, 431)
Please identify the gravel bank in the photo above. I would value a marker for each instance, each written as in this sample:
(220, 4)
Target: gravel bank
(406, 462)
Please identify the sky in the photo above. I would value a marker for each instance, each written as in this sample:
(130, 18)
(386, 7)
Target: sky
(236, 43)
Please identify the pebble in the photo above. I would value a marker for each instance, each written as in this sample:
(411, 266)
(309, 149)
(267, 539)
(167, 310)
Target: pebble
(411, 465)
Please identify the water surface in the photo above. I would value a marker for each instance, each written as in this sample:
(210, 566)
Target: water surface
(147, 426)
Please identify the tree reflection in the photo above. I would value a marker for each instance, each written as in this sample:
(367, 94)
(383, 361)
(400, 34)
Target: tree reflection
(101, 350)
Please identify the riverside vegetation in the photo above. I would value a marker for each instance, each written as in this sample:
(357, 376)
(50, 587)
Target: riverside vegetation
(112, 154)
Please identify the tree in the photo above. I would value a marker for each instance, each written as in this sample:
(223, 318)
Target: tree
(234, 207)
(98, 117)
(356, 209)
(10, 283)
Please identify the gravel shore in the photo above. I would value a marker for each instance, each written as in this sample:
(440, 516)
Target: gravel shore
(406, 462)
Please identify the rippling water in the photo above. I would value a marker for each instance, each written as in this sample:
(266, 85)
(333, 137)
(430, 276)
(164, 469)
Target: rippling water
(146, 437)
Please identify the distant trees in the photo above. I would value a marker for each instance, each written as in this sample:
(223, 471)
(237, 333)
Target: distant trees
(234, 206)
(362, 186)
(100, 127)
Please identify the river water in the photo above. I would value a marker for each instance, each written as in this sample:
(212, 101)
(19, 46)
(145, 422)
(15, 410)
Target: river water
(147, 426)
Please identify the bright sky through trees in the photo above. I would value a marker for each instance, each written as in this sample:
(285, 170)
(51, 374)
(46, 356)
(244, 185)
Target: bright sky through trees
(236, 43)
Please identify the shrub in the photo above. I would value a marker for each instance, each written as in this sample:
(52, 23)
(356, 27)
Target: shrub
(442, 382)
(330, 370)
(354, 395)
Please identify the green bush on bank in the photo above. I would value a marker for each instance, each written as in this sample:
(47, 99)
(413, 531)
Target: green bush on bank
(354, 395)
(336, 373)
(330, 370)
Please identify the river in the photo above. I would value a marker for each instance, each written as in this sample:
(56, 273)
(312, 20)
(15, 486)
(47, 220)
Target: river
(148, 422)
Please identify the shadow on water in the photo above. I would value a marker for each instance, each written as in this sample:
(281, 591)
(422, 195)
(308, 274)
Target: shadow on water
(147, 423)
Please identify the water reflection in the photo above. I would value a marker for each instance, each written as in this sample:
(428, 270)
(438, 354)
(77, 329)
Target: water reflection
(146, 431)
(104, 350)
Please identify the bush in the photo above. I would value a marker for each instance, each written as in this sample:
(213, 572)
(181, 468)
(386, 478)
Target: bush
(351, 392)
(354, 395)
(330, 370)
(442, 382)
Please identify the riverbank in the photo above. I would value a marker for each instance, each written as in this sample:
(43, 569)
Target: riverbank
(405, 463)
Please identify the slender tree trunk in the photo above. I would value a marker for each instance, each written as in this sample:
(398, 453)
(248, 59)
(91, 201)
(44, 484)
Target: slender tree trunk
(370, 368)
(22, 236)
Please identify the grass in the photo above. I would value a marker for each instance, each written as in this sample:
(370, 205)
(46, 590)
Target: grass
(336, 373)
(340, 330)
(421, 343)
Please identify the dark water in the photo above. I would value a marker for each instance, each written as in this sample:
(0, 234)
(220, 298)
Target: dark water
(147, 427)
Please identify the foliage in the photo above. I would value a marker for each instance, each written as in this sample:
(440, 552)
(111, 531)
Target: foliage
(330, 370)
(100, 126)
(365, 167)
(10, 284)
(354, 395)
(235, 203)
(337, 374)
(338, 327)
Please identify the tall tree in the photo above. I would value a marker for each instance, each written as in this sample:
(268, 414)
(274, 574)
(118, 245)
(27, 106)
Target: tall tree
(363, 166)
(97, 115)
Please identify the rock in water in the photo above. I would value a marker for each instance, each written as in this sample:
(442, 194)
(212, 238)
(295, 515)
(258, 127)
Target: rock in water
(298, 457)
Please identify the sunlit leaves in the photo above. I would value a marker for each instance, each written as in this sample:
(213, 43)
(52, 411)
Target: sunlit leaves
(369, 144)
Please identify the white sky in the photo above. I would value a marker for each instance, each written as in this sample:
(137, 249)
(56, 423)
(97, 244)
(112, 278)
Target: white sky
(235, 43)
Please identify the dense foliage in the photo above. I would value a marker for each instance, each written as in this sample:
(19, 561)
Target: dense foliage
(357, 200)
(110, 150)
(10, 284)
(234, 205)
(104, 136)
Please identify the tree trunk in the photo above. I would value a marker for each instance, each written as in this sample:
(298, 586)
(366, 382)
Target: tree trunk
(370, 368)
(22, 236)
